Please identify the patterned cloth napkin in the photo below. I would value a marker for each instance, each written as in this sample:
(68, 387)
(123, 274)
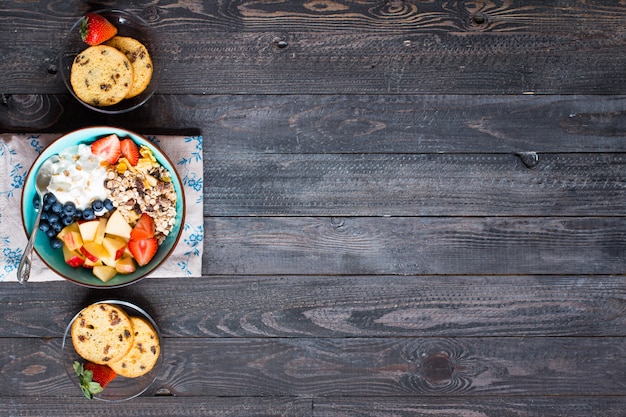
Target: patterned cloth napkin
(19, 151)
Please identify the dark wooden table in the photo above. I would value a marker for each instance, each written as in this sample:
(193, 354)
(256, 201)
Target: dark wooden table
(412, 208)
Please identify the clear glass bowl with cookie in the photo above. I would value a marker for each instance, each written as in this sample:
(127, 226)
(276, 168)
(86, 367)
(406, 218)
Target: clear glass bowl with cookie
(112, 350)
(110, 61)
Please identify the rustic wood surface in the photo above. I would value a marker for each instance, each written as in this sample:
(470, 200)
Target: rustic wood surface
(412, 208)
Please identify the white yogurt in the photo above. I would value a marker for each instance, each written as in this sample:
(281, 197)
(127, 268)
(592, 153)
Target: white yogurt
(78, 177)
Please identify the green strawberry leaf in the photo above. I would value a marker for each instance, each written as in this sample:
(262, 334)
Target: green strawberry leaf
(87, 386)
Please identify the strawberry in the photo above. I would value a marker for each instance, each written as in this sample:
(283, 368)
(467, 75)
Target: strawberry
(143, 250)
(144, 229)
(130, 151)
(107, 148)
(95, 29)
(101, 374)
(93, 378)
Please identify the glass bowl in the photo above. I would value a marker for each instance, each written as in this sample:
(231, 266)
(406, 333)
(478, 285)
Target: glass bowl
(53, 258)
(129, 25)
(121, 388)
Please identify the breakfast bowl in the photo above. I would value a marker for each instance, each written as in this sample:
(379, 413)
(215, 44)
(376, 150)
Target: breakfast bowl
(110, 201)
(138, 368)
(131, 28)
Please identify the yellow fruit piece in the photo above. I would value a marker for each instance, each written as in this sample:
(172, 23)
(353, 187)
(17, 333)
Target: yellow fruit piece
(104, 272)
(118, 226)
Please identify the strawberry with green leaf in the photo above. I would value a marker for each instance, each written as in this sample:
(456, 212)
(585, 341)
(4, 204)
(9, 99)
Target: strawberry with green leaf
(96, 29)
(93, 378)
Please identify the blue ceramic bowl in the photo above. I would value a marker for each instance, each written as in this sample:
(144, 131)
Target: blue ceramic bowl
(53, 258)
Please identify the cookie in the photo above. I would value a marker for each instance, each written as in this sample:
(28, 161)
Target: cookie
(102, 333)
(139, 58)
(101, 75)
(143, 355)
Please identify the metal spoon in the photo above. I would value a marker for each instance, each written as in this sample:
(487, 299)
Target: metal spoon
(41, 184)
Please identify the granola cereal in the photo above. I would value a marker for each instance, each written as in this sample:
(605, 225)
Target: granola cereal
(144, 188)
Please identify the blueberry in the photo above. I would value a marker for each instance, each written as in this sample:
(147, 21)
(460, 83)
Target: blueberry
(78, 214)
(44, 226)
(49, 198)
(108, 204)
(67, 220)
(69, 208)
(55, 243)
(51, 233)
(47, 206)
(97, 205)
(57, 207)
(88, 214)
(36, 202)
(56, 227)
(53, 218)
(44, 215)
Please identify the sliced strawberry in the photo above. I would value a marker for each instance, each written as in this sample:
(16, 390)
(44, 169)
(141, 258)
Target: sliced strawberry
(95, 29)
(107, 148)
(130, 151)
(143, 250)
(101, 374)
(144, 229)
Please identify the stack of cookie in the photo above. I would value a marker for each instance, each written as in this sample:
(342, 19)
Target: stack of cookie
(104, 75)
(104, 334)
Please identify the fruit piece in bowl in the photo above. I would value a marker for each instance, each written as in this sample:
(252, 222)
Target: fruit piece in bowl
(96, 29)
(124, 213)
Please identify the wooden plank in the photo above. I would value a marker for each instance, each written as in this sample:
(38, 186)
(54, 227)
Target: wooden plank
(340, 306)
(497, 406)
(353, 367)
(310, 124)
(242, 406)
(413, 245)
(407, 185)
(38, 406)
(412, 48)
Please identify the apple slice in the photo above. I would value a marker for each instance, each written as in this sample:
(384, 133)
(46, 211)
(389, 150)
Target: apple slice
(114, 246)
(92, 251)
(72, 239)
(125, 265)
(88, 229)
(104, 272)
(89, 264)
(72, 257)
(117, 225)
(70, 228)
(102, 224)
(108, 259)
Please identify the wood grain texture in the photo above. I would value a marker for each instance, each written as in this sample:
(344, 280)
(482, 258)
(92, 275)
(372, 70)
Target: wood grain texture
(340, 306)
(412, 208)
(405, 185)
(348, 124)
(495, 406)
(338, 47)
(159, 406)
(348, 367)
(413, 245)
